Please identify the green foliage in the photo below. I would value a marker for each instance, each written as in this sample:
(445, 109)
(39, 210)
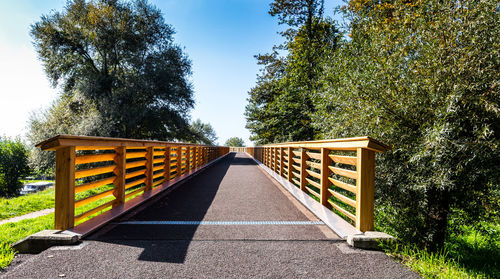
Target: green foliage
(235, 142)
(25, 204)
(12, 232)
(471, 254)
(280, 105)
(6, 255)
(203, 133)
(120, 57)
(13, 165)
(423, 77)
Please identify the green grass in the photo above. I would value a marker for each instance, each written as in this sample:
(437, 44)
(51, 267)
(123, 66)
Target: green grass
(12, 232)
(25, 204)
(470, 254)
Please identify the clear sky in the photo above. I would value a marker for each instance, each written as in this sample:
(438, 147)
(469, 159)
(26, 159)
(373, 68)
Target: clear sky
(219, 36)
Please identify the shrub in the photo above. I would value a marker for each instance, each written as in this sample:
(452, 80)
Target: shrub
(13, 165)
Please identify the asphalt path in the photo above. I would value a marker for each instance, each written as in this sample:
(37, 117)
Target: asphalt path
(230, 221)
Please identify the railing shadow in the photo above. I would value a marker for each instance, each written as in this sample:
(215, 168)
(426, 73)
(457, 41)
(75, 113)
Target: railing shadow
(188, 202)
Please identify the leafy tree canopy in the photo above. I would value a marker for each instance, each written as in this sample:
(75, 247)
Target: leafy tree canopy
(203, 133)
(121, 57)
(422, 76)
(13, 165)
(235, 142)
(280, 106)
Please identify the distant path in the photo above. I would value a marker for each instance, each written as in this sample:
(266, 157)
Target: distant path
(230, 221)
(30, 215)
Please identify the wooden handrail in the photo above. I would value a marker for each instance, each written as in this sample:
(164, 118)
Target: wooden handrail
(339, 173)
(114, 175)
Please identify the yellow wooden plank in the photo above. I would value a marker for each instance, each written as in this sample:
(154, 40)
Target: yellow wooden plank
(343, 211)
(343, 198)
(344, 172)
(94, 184)
(93, 171)
(94, 198)
(313, 174)
(92, 158)
(343, 185)
(348, 160)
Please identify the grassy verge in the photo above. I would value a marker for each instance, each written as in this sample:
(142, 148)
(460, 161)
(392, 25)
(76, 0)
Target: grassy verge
(473, 253)
(25, 204)
(12, 232)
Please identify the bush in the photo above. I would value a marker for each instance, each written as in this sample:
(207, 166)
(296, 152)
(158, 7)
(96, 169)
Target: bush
(13, 165)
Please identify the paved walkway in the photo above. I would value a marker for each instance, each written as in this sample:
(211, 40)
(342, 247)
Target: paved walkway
(230, 221)
(30, 215)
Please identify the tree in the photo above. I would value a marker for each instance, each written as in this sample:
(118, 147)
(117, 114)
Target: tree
(13, 165)
(120, 56)
(203, 133)
(280, 106)
(423, 77)
(235, 142)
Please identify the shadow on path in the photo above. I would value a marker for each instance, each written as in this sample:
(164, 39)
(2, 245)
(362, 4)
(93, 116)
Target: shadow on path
(188, 202)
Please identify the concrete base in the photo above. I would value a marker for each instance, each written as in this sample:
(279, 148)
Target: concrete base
(40, 241)
(369, 240)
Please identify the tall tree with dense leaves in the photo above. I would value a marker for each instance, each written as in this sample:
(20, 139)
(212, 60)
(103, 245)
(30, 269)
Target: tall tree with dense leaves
(235, 142)
(203, 133)
(424, 77)
(280, 106)
(121, 57)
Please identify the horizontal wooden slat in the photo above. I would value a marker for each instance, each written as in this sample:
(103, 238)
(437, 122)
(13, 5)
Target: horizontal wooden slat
(135, 183)
(312, 191)
(313, 183)
(343, 198)
(159, 160)
(344, 172)
(297, 160)
(135, 173)
(158, 153)
(93, 171)
(285, 157)
(313, 174)
(343, 185)
(92, 158)
(136, 191)
(130, 155)
(94, 184)
(156, 168)
(313, 155)
(141, 163)
(94, 198)
(158, 182)
(158, 174)
(296, 181)
(343, 211)
(348, 160)
(296, 167)
(296, 174)
(93, 211)
(78, 148)
(313, 165)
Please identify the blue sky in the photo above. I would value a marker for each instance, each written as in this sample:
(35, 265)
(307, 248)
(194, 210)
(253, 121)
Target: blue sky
(220, 38)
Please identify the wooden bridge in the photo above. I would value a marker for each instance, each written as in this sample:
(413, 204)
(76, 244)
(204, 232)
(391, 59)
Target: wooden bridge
(161, 209)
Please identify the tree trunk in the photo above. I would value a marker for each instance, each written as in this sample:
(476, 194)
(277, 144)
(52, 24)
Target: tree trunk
(436, 219)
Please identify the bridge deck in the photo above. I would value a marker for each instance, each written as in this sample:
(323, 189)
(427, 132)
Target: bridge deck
(230, 221)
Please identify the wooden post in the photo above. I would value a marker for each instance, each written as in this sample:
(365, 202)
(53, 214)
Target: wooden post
(149, 168)
(290, 163)
(64, 215)
(365, 188)
(196, 162)
(119, 171)
(179, 161)
(190, 159)
(282, 165)
(303, 173)
(166, 164)
(325, 173)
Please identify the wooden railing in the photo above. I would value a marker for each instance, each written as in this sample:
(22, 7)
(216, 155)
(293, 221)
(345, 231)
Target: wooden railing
(339, 173)
(95, 174)
(237, 149)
